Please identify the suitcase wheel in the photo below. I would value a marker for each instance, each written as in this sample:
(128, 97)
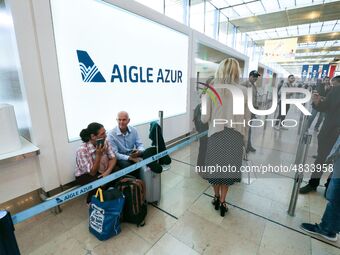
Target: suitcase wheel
(142, 224)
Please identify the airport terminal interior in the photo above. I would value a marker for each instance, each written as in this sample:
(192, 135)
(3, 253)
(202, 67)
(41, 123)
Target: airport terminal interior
(67, 63)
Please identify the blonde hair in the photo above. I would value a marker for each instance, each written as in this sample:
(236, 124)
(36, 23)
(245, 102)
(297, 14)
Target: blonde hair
(228, 72)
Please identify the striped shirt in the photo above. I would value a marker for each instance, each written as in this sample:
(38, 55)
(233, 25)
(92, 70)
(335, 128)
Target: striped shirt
(86, 155)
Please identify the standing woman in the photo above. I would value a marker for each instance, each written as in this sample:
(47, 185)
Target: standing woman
(226, 142)
(93, 159)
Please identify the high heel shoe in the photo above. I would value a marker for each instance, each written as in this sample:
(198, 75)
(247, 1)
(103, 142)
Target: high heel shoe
(223, 208)
(216, 202)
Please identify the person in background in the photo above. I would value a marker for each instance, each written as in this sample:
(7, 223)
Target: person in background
(280, 117)
(323, 90)
(93, 159)
(226, 143)
(330, 222)
(126, 143)
(250, 83)
(201, 127)
(328, 133)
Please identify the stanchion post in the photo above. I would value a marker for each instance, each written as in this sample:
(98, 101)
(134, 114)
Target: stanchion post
(160, 115)
(301, 157)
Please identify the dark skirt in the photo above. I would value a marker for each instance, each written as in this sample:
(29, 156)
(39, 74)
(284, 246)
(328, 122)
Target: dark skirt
(224, 157)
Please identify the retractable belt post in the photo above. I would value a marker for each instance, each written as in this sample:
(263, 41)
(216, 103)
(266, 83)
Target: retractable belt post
(160, 115)
(301, 156)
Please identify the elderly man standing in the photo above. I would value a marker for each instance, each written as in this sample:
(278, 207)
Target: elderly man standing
(126, 143)
(250, 83)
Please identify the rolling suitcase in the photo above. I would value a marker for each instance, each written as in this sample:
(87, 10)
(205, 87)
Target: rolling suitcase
(152, 183)
(152, 180)
(135, 207)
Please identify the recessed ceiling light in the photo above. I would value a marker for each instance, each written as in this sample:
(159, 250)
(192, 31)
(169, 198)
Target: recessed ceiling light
(313, 15)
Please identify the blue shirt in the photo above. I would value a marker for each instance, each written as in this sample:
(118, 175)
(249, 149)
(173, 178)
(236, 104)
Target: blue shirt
(123, 144)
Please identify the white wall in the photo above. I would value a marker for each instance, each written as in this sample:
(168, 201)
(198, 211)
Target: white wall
(36, 46)
(18, 178)
(65, 151)
(40, 171)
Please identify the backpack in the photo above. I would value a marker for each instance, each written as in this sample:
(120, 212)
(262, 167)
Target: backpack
(135, 207)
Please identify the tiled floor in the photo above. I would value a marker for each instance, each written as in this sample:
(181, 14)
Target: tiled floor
(186, 223)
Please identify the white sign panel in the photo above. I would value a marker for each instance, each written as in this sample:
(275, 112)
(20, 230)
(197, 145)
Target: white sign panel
(280, 50)
(111, 60)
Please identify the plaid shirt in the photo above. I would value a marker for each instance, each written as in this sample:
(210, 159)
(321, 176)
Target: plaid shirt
(86, 155)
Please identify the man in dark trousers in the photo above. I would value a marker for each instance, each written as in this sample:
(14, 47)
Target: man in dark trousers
(330, 222)
(329, 132)
(250, 83)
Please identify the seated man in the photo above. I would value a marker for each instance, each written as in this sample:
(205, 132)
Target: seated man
(126, 143)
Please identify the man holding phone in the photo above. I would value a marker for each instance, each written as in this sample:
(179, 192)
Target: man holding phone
(126, 143)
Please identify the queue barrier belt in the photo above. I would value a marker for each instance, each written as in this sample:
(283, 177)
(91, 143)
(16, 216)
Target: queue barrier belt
(58, 200)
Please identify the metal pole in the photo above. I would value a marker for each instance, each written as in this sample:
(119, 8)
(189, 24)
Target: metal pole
(303, 126)
(264, 103)
(160, 115)
(301, 121)
(301, 157)
(295, 192)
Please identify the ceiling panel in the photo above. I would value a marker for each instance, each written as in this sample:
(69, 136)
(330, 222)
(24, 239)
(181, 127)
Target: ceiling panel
(310, 30)
(304, 2)
(219, 3)
(314, 22)
(299, 16)
(287, 4)
(272, 33)
(318, 53)
(315, 28)
(299, 50)
(270, 5)
(235, 2)
(312, 38)
(242, 10)
(230, 13)
(255, 7)
(337, 26)
(330, 57)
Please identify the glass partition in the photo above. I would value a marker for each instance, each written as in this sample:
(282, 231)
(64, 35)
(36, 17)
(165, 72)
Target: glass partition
(11, 85)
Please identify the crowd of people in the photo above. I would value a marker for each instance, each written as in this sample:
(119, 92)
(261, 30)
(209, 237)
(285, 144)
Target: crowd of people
(226, 144)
